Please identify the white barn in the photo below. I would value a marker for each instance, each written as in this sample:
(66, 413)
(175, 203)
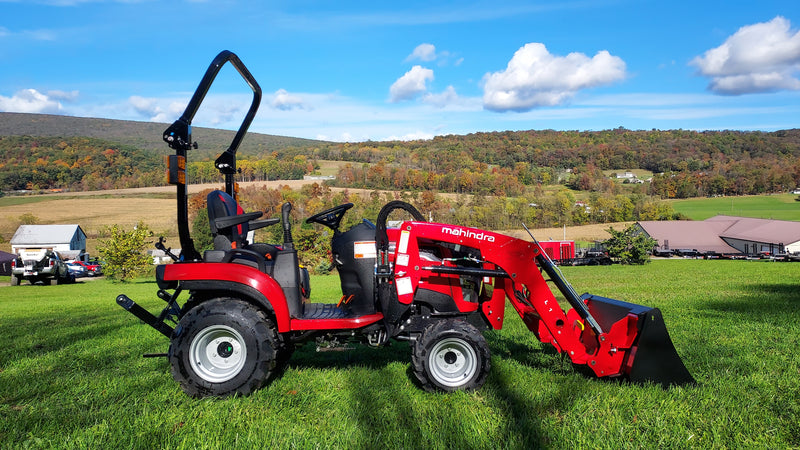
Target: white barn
(68, 240)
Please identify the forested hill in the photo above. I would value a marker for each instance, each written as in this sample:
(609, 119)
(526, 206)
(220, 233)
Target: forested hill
(39, 151)
(141, 135)
(686, 163)
(46, 152)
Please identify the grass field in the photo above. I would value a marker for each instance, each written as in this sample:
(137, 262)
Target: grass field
(72, 376)
(779, 206)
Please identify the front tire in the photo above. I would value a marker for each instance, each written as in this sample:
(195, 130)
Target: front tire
(223, 347)
(451, 355)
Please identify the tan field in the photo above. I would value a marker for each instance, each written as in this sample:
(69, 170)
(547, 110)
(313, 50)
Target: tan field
(589, 233)
(94, 211)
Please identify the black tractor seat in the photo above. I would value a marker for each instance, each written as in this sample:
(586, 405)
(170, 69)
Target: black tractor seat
(230, 226)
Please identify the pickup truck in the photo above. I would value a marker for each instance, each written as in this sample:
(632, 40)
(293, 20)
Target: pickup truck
(39, 264)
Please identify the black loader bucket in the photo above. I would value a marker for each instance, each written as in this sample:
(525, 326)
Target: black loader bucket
(653, 357)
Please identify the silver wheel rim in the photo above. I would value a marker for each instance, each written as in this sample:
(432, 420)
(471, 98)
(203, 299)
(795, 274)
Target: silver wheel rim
(453, 362)
(217, 353)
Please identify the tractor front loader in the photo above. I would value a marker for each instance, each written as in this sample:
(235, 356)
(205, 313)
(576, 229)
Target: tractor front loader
(234, 314)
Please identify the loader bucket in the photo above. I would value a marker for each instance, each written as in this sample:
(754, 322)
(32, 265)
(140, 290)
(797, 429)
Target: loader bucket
(653, 357)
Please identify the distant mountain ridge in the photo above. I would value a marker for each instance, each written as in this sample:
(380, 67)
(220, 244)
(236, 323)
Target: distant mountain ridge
(142, 135)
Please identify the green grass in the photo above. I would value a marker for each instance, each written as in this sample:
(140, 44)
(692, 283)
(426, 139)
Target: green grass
(23, 200)
(72, 375)
(780, 206)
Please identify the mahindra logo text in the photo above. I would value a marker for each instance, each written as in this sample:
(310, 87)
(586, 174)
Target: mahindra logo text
(481, 236)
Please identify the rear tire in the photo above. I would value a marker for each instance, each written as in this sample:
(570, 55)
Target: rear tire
(451, 355)
(223, 347)
(15, 280)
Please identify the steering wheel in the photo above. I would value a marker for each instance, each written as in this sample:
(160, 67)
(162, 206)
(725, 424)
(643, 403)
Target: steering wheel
(330, 217)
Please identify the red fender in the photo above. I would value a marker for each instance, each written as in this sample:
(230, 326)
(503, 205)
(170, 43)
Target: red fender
(240, 278)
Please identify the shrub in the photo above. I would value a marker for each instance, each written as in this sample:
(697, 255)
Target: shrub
(630, 246)
(124, 252)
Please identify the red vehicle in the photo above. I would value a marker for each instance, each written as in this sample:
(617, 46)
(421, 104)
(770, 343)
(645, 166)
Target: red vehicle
(434, 285)
(93, 270)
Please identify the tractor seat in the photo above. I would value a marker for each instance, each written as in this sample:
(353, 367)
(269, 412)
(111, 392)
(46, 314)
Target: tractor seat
(230, 226)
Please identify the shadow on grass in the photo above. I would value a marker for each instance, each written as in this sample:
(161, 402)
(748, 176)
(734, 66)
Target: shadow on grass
(536, 355)
(382, 401)
(761, 302)
(307, 356)
(743, 334)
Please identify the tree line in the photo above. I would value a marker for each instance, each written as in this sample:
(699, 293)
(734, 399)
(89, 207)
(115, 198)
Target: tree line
(485, 212)
(88, 164)
(504, 164)
(685, 163)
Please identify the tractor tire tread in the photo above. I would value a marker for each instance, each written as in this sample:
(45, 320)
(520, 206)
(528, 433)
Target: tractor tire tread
(255, 326)
(443, 329)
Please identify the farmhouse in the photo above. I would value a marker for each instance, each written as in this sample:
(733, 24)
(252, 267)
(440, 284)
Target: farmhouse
(726, 235)
(68, 240)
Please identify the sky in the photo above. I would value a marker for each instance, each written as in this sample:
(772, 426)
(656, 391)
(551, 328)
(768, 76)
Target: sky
(353, 71)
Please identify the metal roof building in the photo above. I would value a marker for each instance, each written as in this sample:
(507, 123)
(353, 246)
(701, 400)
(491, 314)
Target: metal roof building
(727, 235)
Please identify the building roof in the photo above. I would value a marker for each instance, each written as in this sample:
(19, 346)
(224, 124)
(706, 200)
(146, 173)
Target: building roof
(680, 234)
(46, 234)
(710, 234)
(758, 230)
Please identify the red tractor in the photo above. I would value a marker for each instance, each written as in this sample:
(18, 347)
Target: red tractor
(434, 285)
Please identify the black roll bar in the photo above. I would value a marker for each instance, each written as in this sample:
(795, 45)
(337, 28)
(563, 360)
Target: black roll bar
(179, 137)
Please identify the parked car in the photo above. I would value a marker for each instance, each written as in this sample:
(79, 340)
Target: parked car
(662, 253)
(92, 269)
(686, 253)
(77, 270)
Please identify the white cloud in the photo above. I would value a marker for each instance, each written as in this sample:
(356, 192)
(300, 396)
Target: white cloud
(534, 77)
(427, 53)
(30, 101)
(423, 52)
(763, 57)
(285, 101)
(410, 85)
(147, 107)
(415, 136)
(446, 98)
(36, 35)
(70, 96)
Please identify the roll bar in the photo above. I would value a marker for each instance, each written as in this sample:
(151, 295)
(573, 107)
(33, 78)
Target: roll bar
(179, 137)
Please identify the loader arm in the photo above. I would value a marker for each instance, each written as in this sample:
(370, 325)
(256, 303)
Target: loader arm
(608, 346)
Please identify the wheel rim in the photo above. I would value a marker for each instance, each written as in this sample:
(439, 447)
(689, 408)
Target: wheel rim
(453, 362)
(217, 353)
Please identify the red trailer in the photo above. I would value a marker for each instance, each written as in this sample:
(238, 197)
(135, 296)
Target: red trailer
(558, 250)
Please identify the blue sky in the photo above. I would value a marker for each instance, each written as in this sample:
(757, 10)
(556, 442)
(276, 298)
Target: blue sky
(365, 70)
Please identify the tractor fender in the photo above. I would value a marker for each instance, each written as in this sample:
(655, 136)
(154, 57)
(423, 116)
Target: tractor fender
(233, 279)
